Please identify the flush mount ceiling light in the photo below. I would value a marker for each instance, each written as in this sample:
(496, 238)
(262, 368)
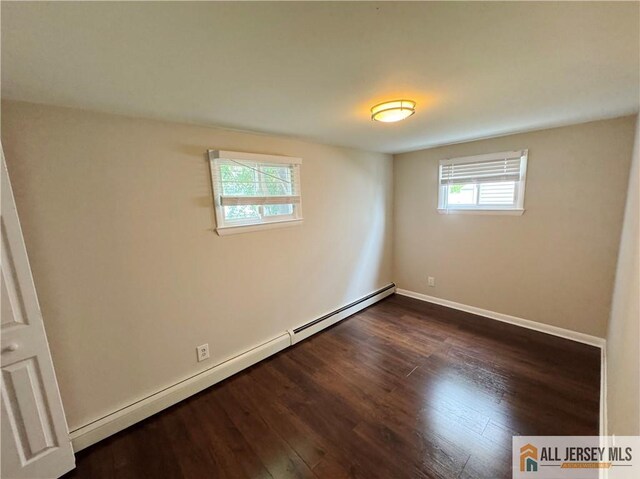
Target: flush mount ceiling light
(391, 111)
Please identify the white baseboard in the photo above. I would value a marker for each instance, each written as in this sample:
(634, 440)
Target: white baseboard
(536, 326)
(505, 318)
(603, 391)
(142, 409)
(137, 411)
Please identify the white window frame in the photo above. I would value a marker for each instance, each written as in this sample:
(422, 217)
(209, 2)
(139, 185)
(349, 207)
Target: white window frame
(227, 227)
(516, 209)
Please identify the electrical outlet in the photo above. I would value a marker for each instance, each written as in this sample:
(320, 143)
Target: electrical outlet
(203, 352)
(431, 281)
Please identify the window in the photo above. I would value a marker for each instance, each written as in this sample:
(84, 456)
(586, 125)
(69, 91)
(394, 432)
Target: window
(253, 191)
(490, 184)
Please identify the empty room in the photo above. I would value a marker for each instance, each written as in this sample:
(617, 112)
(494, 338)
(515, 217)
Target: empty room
(320, 240)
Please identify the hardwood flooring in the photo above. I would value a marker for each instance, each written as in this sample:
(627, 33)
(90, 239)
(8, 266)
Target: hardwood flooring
(403, 389)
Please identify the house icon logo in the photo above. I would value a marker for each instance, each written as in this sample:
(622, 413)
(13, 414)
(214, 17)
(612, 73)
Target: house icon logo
(528, 458)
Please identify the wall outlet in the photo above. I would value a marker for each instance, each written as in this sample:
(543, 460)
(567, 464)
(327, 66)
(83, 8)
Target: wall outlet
(431, 281)
(203, 352)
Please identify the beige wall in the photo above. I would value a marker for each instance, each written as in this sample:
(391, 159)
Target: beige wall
(556, 263)
(623, 333)
(118, 220)
(117, 217)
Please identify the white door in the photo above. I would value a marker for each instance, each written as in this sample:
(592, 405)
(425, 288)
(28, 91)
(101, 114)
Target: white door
(35, 439)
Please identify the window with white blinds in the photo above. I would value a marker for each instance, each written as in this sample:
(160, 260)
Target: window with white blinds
(253, 191)
(483, 183)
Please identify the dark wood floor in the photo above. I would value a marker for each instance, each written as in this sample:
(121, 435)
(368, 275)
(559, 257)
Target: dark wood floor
(402, 389)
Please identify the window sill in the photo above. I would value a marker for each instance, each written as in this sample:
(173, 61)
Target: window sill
(511, 212)
(232, 230)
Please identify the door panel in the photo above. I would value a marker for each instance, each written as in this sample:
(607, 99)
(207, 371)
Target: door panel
(27, 408)
(35, 439)
(13, 311)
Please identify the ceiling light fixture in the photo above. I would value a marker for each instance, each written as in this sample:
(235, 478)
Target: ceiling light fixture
(391, 111)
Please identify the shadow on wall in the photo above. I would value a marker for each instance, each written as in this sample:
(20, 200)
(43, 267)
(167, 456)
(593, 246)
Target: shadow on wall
(369, 261)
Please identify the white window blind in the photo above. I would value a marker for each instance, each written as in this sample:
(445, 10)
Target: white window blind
(483, 183)
(253, 191)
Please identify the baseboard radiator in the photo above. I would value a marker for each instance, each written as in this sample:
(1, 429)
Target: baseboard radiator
(312, 327)
(130, 414)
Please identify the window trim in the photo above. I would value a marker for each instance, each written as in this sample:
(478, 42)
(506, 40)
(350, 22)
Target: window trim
(223, 227)
(516, 210)
(482, 211)
(235, 229)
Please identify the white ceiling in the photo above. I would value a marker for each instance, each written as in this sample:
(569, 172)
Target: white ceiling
(314, 69)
